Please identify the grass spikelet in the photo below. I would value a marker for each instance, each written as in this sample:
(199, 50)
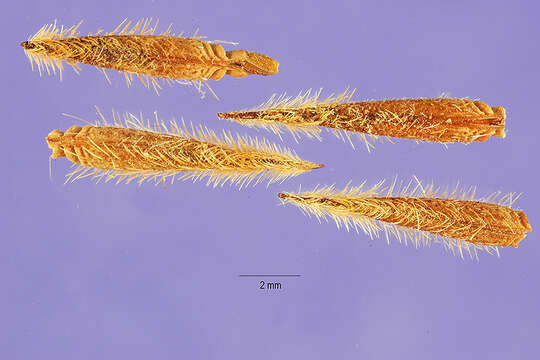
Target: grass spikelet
(420, 214)
(442, 120)
(136, 49)
(135, 150)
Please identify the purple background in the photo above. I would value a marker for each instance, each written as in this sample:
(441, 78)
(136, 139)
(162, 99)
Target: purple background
(102, 271)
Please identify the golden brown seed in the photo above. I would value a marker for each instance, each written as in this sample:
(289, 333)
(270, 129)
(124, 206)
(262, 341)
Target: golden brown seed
(420, 215)
(441, 120)
(138, 51)
(141, 153)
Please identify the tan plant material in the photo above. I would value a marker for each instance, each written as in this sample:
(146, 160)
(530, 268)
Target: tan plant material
(136, 150)
(442, 120)
(420, 214)
(136, 50)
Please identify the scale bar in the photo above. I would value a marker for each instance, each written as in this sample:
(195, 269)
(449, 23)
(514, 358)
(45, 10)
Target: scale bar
(269, 275)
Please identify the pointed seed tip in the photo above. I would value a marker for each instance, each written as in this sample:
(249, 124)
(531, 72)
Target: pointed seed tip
(26, 45)
(282, 196)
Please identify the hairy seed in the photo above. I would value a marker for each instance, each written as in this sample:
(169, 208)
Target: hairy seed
(440, 120)
(138, 51)
(420, 215)
(127, 153)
